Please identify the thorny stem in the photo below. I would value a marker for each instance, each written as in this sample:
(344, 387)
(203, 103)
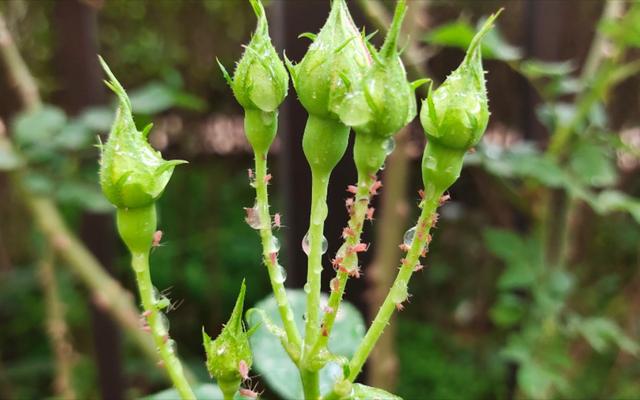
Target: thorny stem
(107, 292)
(346, 260)
(319, 185)
(395, 295)
(270, 260)
(57, 327)
(160, 333)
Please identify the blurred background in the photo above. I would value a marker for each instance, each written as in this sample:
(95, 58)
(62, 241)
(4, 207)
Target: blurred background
(532, 285)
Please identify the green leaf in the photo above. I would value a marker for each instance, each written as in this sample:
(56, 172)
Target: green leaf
(97, 118)
(592, 165)
(84, 195)
(601, 333)
(157, 97)
(508, 310)
(504, 244)
(9, 160)
(363, 392)
(272, 362)
(207, 391)
(612, 200)
(534, 69)
(459, 34)
(38, 126)
(73, 136)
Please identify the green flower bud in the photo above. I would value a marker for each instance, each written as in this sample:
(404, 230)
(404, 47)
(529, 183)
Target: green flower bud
(382, 102)
(456, 114)
(337, 59)
(229, 355)
(454, 118)
(260, 81)
(132, 173)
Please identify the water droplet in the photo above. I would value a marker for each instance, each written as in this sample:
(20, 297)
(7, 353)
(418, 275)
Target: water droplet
(220, 350)
(164, 321)
(274, 246)
(172, 346)
(307, 248)
(389, 145)
(408, 236)
(253, 217)
(307, 288)
(281, 274)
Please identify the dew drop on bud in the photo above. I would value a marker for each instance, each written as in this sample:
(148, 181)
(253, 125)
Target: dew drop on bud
(281, 274)
(408, 236)
(389, 145)
(400, 293)
(274, 246)
(307, 288)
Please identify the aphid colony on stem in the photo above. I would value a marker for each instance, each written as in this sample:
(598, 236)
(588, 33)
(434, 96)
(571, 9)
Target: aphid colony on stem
(345, 84)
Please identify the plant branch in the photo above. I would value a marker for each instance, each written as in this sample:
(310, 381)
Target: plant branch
(56, 327)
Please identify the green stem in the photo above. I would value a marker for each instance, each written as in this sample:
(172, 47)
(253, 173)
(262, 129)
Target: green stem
(349, 259)
(273, 268)
(159, 332)
(398, 289)
(310, 384)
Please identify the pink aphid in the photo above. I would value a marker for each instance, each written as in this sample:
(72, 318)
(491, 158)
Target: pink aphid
(250, 393)
(370, 212)
(146, 313)
(337, 262)
(335, 284)
(359, 248)
(418, 267)
(355, 273)
(444, 198)
(399, 306)
(352, 189)
(267, 178)
(277, 220)
(404, 247)
(421, 194)
(273, 257)
(157, 238)
(250, 173)
(327, 309)
(243, 369)
(348, 232)
(374, 188)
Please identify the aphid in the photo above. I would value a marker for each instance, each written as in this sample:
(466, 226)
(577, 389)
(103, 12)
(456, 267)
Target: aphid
(352, 189)
(358, 248)
(374, 188)
(349, 204)
(243, 369)
(370, 212)
(399, 306)
(146, 328)
(267, 178)
(165, 338)
(250, 173)
(444, 198)
(324, 331)
(337, 262)
(434, 220)
(348, 232)
(273, 257)
(277, 220)
(404, 247)
(355, 273)
(327, 309)
(418, 267)
(146, 313)
(421, 194)
(157, 238)
(250, 393)
(335, 284)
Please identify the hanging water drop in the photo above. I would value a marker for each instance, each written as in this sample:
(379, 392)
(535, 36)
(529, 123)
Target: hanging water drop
(307, 288)
(253, 217)
(400, 293)
(274, 246)
(389, 145)
(164, 321)
(408, 236)
(281, 274)
(172, 346)
(306, 247)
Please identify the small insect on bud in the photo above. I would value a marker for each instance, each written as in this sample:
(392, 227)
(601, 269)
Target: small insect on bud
(374, 188)
(250, 173)
(404, 247)
(355, 272)
(418, 267)
(273, 257)
(243, 369)
(146, 313)
(335, 284)
(421, 194)
(277, 220)
(444, 198)
(267, 178)
(157, 238)
(337, 262)
(146, 328)
(358, 248)
(327, 309)
(370, 212)
(352, 189)
(399, 306)
(250, 393)
(348, 232)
